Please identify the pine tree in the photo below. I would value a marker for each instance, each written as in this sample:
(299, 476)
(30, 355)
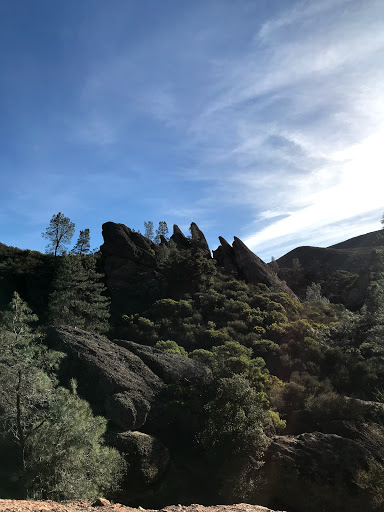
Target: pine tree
(162, 230)
(59, 233)
(274, 265)
(68, 459)
(148, 230)
(25, 382)
(83, 243)
(78, 299)
(296, 265)
(56, 441)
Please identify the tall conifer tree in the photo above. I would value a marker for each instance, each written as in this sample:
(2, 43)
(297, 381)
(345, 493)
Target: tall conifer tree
(78, 299)
(83, 243)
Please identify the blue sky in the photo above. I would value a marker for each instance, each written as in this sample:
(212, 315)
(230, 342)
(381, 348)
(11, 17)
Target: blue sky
(260, 119)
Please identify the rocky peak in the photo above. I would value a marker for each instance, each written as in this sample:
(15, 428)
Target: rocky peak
(240, 259)
(120, 241)
(199, 240)
(180, 240)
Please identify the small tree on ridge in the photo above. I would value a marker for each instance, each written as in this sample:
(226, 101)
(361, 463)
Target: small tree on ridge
(59, 233)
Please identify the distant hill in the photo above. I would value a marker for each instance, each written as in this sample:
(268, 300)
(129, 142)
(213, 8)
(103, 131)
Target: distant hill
(344, 270)
(373, 239)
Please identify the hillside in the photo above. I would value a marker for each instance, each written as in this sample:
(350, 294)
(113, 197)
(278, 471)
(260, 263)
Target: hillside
(344, 270)
(214, 382)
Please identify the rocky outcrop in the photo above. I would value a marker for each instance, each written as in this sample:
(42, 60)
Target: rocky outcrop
(179, 239)
(314, 471)
(148, 458)
(116, 382)
(199, 241)
(169, 368)
(121, 380)
(129, 259)
(246, 265)
(119, 240)
(125, 254)
(225, 256)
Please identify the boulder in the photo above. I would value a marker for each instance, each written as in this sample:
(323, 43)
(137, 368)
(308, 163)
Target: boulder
(122, 380)
(148, 457)
(314, 471)
(116, 382)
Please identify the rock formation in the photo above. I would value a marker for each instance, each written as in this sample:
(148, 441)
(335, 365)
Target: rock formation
(246, 265)
(314, 471)
(121, 379)
(199, 241)
(179, 239)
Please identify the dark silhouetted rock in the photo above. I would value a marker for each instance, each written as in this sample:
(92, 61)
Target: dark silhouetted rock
(225, 257)
(241, 261)
(121, 241)
(181, 241)
(125, 254)
(199, 241)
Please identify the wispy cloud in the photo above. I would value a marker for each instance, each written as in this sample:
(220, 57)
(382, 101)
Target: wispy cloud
(253, 120)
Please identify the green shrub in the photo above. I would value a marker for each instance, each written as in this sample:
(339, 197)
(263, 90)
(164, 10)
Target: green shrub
(171, 347)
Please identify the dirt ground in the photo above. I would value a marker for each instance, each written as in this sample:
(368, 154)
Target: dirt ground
(104, 506)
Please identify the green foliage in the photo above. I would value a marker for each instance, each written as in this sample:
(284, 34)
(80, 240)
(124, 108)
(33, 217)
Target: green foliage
(235, 420)
(67, 457)
(83, 243)
(162, 230)
(372, 481)
(56, 443)
(25, 369)
(277, 423)
(171, 347)
(59, 233)
(313, 294)
(148, 233)
(233, 436)
(78, 298)
(186, 271)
